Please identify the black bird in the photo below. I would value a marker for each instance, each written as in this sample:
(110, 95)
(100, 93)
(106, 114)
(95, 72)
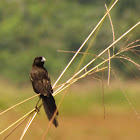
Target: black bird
(42, 84)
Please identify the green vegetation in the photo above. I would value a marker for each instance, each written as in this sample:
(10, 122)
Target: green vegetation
(78, 100)
(30, 28)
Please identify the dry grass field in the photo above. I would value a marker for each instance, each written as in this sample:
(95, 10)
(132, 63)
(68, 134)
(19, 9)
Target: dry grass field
(81, 114)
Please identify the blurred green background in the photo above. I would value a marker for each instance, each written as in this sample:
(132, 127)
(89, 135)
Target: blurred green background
(30, 28)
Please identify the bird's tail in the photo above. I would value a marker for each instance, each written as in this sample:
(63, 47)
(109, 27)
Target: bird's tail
(50, 108)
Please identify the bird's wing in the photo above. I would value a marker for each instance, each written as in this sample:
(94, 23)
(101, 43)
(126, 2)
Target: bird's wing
(41, 82)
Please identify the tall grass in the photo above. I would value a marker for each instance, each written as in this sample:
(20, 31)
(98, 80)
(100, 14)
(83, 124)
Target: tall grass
(88, 69)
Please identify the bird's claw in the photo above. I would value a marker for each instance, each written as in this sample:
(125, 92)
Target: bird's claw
(37, 109)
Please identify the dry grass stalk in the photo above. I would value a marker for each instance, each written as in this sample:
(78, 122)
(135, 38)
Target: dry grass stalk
(85, 42)
(18, 121)
(85, 53)
(70, 61)
(129, 102)
(73, 79)
(16, 127)
(113, 46)
(18, 104)
(56, 92)
(30, 121)
(28, 125)
(102, 81)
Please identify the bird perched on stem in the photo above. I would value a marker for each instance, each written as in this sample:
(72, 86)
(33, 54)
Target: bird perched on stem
(42, 84)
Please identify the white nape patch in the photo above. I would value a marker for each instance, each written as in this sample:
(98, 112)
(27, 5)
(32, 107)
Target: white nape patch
(43, 59)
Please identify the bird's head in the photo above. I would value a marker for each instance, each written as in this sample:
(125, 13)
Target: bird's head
(39, 61)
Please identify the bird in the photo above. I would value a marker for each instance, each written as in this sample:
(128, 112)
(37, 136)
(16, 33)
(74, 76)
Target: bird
(41, 83)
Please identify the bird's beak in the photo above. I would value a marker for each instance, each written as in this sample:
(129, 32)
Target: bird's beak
(43, 59)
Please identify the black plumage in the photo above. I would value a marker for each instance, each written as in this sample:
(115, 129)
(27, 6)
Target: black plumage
(42, 84)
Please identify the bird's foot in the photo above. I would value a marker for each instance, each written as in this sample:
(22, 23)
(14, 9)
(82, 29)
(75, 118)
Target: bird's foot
(37, 109)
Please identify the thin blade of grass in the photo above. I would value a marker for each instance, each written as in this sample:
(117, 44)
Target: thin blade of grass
(29, 122)
(17, 121)
(18, 104)
(80, 77)
(16, 127)
(72, 80)
(75, 52)
(129, 69)
(28, 125)
(84, 43)
(113, 34)
(98, 56)
(125, 95)
(130, 60)
(103, 92)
